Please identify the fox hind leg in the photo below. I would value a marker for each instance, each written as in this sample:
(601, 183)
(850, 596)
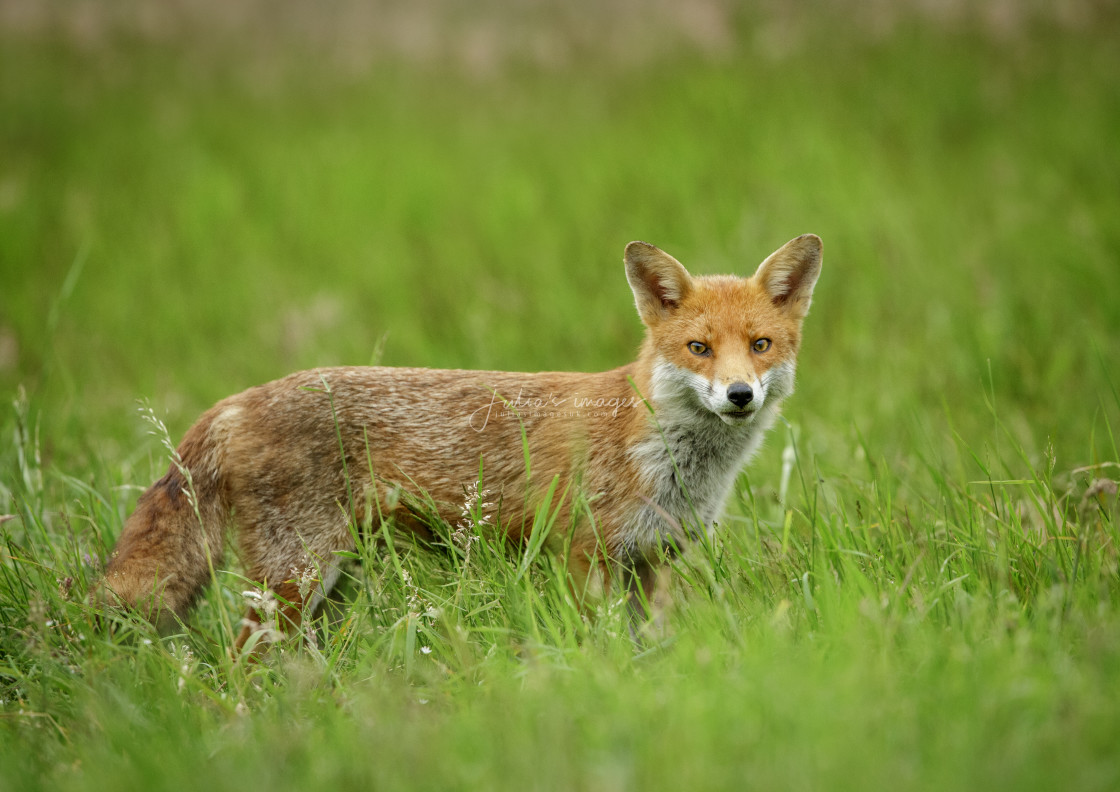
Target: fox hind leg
(293, 571)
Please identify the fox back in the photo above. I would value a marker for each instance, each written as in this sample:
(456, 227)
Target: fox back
(294, 466)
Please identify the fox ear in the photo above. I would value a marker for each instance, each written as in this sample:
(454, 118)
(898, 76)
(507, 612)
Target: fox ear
(790, 272)
(658, 280)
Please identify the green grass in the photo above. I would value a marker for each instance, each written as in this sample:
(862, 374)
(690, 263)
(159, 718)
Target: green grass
(934, 604)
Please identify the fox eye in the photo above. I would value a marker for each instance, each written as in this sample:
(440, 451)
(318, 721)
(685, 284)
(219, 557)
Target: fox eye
(698, 348)
(761, 345)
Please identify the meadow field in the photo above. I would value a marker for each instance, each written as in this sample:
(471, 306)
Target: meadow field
(917, 583)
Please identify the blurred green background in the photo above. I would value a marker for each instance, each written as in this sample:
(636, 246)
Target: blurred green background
(198, 196)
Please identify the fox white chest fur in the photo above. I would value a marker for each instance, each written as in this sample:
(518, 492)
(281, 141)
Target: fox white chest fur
(295, 466)
(689, 463)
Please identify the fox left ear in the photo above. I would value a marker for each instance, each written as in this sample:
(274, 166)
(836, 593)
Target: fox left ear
(790, 272)
(658, 280)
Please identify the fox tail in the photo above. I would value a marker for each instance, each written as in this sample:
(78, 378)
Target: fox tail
(172, 541)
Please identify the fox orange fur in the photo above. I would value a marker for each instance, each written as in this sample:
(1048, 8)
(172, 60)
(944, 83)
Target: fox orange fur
(291, 466)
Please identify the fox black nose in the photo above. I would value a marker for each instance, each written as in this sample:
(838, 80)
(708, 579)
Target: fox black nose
(739, 394)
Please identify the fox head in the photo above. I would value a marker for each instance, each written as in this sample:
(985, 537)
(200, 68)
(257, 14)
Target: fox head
(723, 345)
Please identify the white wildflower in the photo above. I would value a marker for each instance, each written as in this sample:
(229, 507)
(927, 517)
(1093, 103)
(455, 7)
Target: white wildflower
(264, 602)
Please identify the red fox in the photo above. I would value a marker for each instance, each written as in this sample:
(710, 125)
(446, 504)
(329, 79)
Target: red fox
(293, 465)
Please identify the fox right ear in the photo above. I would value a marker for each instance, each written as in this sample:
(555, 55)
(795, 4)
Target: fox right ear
(658, 280)
(790, 272)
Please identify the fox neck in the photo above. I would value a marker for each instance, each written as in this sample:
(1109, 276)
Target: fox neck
(686, 461)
